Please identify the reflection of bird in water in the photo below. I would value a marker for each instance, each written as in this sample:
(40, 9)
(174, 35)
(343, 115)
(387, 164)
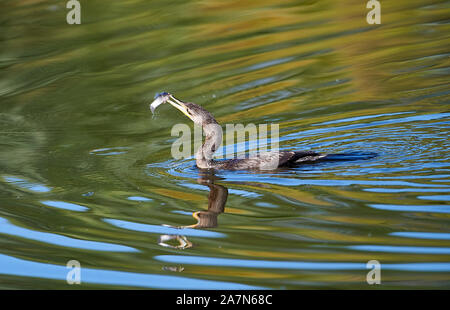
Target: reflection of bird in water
(213, 133)
(217, 199)
(216, 204)
(183, 242)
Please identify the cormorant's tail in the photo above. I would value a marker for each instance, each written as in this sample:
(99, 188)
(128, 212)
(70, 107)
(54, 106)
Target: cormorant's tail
(295, 158)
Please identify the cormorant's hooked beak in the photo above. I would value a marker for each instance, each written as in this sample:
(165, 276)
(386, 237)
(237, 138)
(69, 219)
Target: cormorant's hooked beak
(166, 97)
(179, 105)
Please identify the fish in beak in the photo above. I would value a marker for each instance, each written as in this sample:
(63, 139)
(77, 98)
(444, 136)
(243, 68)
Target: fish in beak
(167, 97)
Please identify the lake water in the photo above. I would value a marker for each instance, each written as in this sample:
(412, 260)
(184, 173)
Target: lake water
(86, 172)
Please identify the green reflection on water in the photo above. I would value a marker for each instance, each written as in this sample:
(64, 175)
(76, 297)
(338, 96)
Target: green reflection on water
(75, 129)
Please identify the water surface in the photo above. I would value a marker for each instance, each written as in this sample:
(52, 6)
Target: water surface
(86, 173)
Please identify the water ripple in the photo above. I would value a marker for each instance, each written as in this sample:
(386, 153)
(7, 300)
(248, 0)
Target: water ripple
(166, 230)
(245, 263)
(50, 237)
(24, 268)
(409, 208)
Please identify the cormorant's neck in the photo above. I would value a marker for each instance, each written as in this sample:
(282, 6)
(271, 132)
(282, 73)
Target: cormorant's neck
(204, 155)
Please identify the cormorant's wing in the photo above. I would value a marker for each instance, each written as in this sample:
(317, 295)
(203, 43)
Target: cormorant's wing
(290, 157)
(268, 160)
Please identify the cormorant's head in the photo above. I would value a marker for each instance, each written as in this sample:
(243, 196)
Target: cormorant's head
(195, 112)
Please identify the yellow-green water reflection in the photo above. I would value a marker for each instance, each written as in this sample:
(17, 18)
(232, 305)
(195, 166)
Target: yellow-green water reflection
(87, 174)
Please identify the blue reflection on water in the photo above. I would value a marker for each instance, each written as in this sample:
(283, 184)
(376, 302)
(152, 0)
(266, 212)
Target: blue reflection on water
(110, 151)
(400, 249)
(7, 228)
(19, 267)
(435, 197)
(238, 192)
(166, 230)
(241, 177)
(405, 190)
(63, 205)
(359, 118)
(246, 263)
(422, 235)
(138, 198)
(415, 118)
(408, 208)
(22, 183)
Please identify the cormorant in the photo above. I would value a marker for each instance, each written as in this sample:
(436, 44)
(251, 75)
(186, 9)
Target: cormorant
(213, 133)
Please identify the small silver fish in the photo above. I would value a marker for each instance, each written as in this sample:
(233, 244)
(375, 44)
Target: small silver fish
(159, 99)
